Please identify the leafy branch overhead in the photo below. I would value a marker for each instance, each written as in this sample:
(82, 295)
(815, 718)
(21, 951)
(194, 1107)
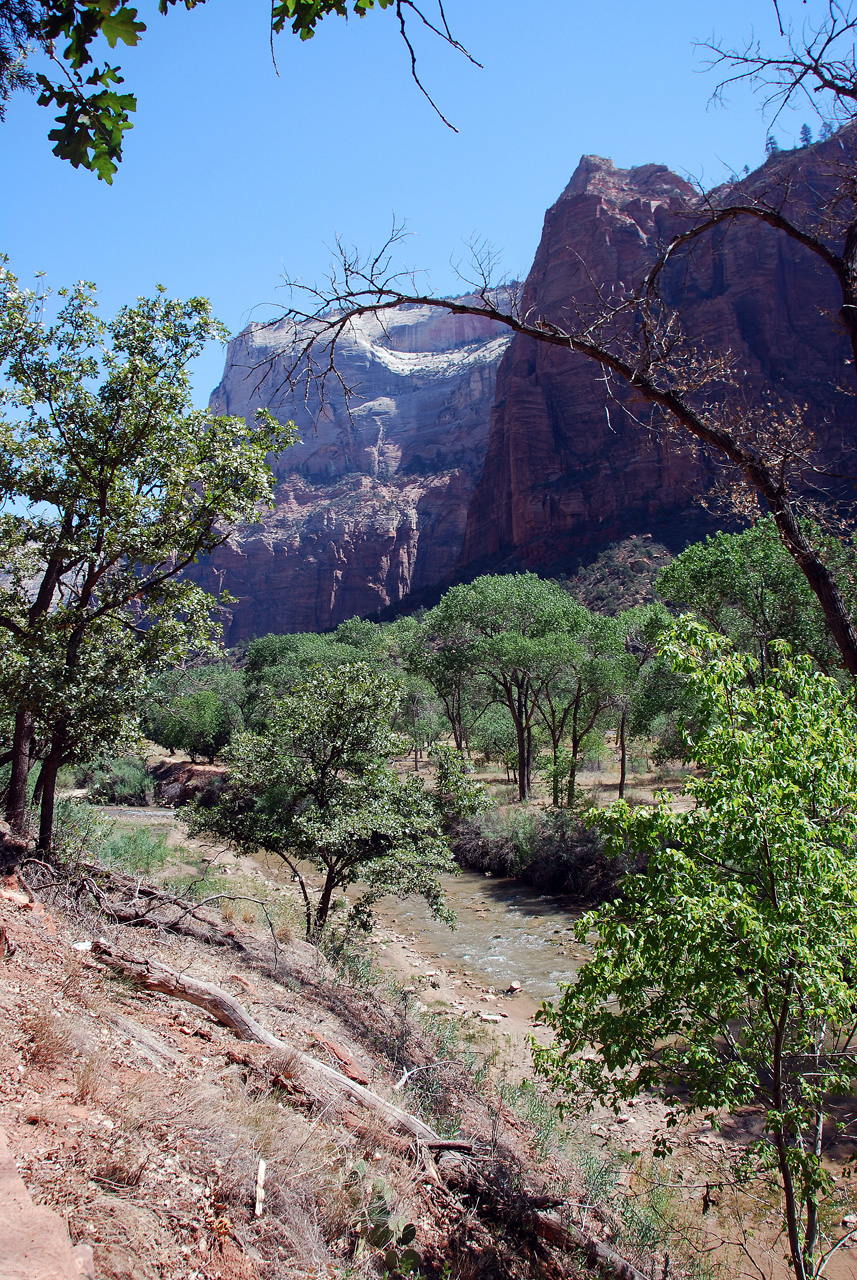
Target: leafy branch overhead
(94, 114)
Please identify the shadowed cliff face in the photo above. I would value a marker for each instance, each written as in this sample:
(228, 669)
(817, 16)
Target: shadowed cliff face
(570, 470)
(372, 504)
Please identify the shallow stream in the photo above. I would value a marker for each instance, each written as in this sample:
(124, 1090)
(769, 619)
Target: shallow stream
(506, 933)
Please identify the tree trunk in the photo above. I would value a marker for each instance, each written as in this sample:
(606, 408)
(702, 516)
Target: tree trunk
(16, 803)
(555, 746)
(572, 780)
(152, 976)
(323, 909)
(623, 755)
(792, 1214)
(48, 784)
(521, 737)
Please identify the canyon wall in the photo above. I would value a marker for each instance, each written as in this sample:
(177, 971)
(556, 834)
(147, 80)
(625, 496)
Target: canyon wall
(372, 504)
(571, 468)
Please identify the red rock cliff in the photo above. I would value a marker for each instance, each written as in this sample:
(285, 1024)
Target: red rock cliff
(568, 471)
(372, 504)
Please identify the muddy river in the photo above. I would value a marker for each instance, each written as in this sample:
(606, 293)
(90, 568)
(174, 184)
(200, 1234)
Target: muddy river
(506, 933)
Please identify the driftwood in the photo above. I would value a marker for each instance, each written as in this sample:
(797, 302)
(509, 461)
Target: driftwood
(128, 900)
(152, 976)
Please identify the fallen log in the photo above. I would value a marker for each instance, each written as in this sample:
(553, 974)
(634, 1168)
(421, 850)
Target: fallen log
(597, 1254)
(150, 975)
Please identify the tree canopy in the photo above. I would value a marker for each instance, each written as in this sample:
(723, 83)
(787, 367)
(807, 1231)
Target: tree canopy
(111, 485)
(316, 786)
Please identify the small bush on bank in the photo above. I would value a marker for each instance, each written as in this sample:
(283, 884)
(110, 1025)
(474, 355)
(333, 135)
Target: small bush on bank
(137, 851)
(120, 780)
(554, 851)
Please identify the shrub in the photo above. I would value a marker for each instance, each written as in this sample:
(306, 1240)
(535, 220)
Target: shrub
(553, 850)
(121, 780)
(137, 851)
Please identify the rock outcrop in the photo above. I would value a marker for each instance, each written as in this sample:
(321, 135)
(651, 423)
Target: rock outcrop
(372, 504)
(569, 469)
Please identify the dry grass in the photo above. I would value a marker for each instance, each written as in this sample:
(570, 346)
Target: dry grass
(89, 1073)
(47, 1038)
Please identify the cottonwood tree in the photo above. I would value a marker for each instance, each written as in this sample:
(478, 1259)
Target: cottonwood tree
(111, 486)
(747, 587)
(641, 628)
(580, 670)
(724, 977)
(196, 709)
(437, 650)
(316, 787)
(503, 630)
(95, 113)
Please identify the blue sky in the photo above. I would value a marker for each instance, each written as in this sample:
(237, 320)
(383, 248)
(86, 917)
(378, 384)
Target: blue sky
(235, 174)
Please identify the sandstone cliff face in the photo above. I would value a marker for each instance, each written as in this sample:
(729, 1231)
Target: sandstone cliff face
(568, 470)
(372, 504)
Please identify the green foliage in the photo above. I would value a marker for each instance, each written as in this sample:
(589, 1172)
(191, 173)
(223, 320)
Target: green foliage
(725, 977)
(503, 630)
(80, 832)
(137, 851)
(363, 636)
(94, 115)
(554, 850)
(389, 1234)
(197, 709)
(316, 785)
(277, 664)
(457, 793)
(581, 673)
(748, 587)
(493, 737)
(111, 485)
(116, 780)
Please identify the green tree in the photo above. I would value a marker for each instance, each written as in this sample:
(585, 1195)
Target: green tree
(499, 629)
(419, 717)
(747, 587)
(437, 650)
(95, 114)
(276, 664)
(196, 709)
(495, 739)
(580, 672)
(457, 793)
(725, 976)
(316, 786)
(111, 485)
(643, 627)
